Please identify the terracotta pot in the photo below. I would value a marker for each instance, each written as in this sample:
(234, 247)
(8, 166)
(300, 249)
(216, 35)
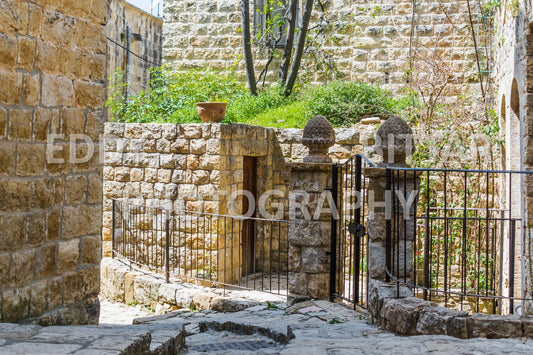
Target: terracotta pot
(211, 112)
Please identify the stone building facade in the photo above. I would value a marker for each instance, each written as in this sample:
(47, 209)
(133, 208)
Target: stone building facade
(129, 27)
(374, 42)
(514, 57)
(52, 69)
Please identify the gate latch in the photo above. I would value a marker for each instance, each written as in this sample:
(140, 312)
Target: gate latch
(356, 229)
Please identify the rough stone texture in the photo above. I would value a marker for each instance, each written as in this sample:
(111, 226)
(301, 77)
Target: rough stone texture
(513, 60)
(145, 339)
(196, 168)
(373, 47)
(52, 69)
(122, 284)
(403, 314)
(309, 239)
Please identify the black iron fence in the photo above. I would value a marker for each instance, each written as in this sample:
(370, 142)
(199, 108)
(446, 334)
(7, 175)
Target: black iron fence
(454, 236)
(349, 242)
(222, 251)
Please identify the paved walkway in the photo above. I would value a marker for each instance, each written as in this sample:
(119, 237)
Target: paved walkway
(313, 327)
(317, 327)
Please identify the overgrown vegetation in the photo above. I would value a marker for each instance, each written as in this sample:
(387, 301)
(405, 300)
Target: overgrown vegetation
(172, 98)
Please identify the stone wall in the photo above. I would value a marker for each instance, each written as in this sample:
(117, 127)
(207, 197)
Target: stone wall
(513, 58)
(395, 309)
(145, 33)
(196, 168)
(52, 69)
(373, 41)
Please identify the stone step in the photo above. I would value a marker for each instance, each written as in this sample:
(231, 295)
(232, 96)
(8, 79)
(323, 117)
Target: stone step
(142, 339)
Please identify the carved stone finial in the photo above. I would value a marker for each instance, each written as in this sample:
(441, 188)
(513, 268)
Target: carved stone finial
(395, 141)
(318, 136)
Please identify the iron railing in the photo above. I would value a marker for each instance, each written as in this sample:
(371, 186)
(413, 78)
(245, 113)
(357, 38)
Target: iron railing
(220, 250)
(458, 242)
(349, 241)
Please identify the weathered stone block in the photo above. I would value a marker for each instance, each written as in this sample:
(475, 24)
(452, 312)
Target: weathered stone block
(401, 315)
(41, 123)
(12, 87)
(91, 250)
(30, 159)
(7, 158)
(15, 195)
(20, 124)
(494, 326)
(45, 264)
(15, 304)
(75, 189)
(72, 121)
(68, 255)
(3, 122)
(31, 91)
(89, 94)
(36, 229)
(146, 290)
(22, 266)
(441, 321)
(59, 91)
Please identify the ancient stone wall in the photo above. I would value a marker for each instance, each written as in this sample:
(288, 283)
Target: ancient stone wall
(143, 31)
(372, 42)
(513, 58)
(52, 69)
(196, 168)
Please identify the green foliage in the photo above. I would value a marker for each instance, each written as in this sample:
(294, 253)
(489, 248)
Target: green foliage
(272, 305)
(172, 97)
(334, 321)
(345, 103)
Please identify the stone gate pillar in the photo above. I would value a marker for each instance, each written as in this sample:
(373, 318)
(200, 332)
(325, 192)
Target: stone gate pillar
(394, 143)
(309, 230)
(311, 210)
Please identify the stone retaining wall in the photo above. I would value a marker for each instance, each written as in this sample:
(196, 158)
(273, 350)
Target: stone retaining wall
(408, 315)
(52, 70)
(121, 283)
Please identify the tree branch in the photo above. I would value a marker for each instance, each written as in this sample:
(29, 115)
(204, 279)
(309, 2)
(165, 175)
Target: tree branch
(302, 36)
(247, 44)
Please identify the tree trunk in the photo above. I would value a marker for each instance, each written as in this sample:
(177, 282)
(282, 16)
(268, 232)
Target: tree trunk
(284, 69)
(302, 36)
(247, 45)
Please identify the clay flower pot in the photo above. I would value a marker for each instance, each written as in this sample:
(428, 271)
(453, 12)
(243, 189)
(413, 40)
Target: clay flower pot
(211, 112)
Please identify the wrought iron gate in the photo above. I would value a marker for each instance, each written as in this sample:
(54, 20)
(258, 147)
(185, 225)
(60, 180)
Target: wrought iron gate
(349, 241)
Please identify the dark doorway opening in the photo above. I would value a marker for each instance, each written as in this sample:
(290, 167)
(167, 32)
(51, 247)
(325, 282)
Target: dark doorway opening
(249, 225)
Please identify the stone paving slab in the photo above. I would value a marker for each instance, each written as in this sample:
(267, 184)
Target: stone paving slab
(142, 339)
(313, 327)
(321, 327)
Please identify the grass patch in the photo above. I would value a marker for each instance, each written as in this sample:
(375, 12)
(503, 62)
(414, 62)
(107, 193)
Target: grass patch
(172, 98)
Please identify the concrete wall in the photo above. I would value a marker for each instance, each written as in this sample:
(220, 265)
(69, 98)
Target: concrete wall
(145, 33)
(374, 43)
(52, 69)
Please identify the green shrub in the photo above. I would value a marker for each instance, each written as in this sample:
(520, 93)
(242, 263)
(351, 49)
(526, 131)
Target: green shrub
(172, 98)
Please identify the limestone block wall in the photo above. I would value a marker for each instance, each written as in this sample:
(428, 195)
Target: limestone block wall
(373, 41)
(196, 168)
(189, 167)
(52, 70)
(513, 57)
(145, 37)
